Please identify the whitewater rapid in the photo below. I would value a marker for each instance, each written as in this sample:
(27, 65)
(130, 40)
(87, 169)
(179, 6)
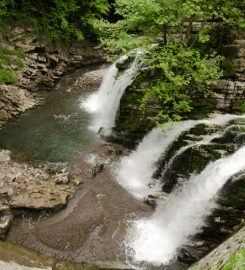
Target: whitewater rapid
(156, 240)
(103, 104)
(135, 171)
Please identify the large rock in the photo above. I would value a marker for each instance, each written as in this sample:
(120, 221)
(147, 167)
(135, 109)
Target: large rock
(16, 98)
(23, 186)
(44, 195)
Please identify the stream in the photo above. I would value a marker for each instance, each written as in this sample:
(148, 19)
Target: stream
(57, 130)
(107, 222)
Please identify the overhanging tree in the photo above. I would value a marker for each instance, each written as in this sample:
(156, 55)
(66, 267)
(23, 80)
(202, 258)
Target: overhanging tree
(185, 60)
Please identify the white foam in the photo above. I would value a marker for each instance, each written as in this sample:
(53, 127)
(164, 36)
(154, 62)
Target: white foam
(135, 171)
(105, 102)
(157, 239)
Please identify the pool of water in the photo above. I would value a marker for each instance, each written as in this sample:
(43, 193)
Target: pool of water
(57, 130)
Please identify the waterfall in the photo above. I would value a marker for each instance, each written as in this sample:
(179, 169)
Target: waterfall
(135, 171)
(105, 102)
(156, 240)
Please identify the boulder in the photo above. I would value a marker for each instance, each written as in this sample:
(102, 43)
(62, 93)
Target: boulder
(124, 63)
(153, 199)
(38, 196)
(20, 99)
(25, 47)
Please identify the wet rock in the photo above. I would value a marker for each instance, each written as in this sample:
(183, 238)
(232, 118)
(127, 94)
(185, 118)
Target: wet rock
(154, 199)
(23, 186)
(186, 256)
(96, 168)
(62, 178)
(124, 63)
(106, 135)
(5, 220)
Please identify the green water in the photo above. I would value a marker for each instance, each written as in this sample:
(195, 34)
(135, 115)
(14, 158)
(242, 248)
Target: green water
(57, 130)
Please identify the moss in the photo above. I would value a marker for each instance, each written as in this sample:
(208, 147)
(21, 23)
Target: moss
(234, 193)
(192, 160)
(7, 76)
(202, 107)
(194, 134)
(229, 69)
(132, 122)
(242, 106)
(237, 261)
(7, 58)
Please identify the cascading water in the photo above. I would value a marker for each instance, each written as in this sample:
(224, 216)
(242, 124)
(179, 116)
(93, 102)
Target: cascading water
(105, 102)
(135, 171)
(157, 239)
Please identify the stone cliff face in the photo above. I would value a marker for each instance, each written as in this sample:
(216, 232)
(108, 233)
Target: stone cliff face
(228, 97)
(43, 66)
(229, 92)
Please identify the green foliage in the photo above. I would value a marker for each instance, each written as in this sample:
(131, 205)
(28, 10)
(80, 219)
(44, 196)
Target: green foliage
(181, 73)
(54, 19)
(5, 5)
(150, 20)
(183, 61)
(10, 58)
(7, 76)
(237, 261)
(242, 107)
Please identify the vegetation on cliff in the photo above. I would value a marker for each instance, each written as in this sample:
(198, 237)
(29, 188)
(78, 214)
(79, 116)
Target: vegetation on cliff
(187, 34)
(53, 21)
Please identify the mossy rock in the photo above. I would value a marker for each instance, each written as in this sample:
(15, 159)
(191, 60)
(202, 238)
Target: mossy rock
(233, 193)
(132, 122)
(202, 107)
(192, 160)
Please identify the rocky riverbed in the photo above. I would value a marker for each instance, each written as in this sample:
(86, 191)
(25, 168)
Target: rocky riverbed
(97, 215)
(93, 225)
(41, 185)
(41, 67)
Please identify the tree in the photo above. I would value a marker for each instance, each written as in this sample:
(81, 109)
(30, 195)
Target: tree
(54, 19)
(184, 59)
